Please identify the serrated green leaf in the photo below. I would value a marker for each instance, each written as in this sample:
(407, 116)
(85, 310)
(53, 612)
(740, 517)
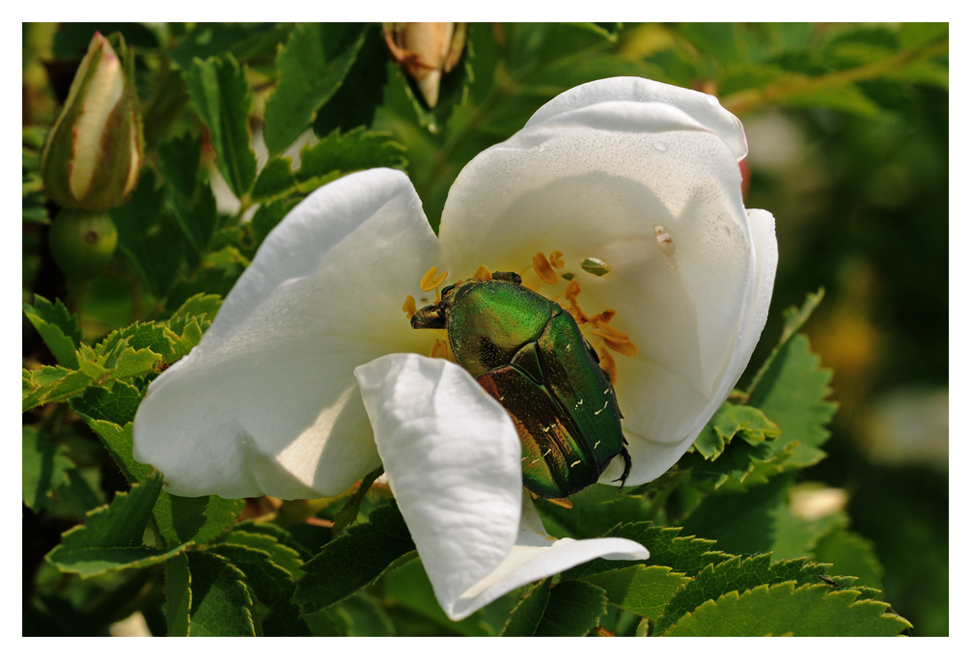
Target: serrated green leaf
(850, 554)
(526, 616)
(746, 422)
(46, 468)
(685, 554)
(116, 405)
(267, 217)
(282, 536)
(740, 467)
(310, 68)
(595, 510)
(221, 95)
(783, 609)
(272, 585)
(110, 539)
(177, 596)
(59, 329)
(736, 574)
(243, 40)
(282, 555)
(324, 161)
(221, 605)
(220, 516)
(179, 518)
(355, 104)
(643, 590)
(118, 441)
(573, 609)
(354, 560)
(201, 304)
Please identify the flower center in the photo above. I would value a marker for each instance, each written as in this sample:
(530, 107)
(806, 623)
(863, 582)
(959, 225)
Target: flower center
(546, 281)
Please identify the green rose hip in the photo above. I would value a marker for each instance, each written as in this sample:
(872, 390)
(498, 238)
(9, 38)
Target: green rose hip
(530, 355)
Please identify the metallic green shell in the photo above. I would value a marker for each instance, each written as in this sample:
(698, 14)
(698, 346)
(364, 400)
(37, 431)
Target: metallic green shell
(530, 356)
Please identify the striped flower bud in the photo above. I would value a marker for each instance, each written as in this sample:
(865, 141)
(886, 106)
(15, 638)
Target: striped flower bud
(94, 149)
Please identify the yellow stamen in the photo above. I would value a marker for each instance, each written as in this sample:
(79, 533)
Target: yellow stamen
(561, 501)
(409, 306)
(483, 273)
(608, 332)
(603, 317)
(542, 266)
(431, 280)
(573, 290)
(608, 364)
(440, 349)
(556, 259)
(624, 348)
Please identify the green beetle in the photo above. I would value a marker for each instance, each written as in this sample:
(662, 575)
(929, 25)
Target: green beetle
(529, 354)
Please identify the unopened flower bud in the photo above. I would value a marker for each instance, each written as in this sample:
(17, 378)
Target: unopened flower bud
(426, 51)
(94, 149)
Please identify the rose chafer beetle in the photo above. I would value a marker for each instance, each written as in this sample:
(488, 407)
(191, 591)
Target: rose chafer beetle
(530, 355)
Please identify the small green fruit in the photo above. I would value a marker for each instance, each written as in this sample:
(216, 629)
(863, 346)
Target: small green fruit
(82, 242)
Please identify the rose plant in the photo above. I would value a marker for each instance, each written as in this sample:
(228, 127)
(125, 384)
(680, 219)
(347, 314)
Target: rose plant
(311, 377)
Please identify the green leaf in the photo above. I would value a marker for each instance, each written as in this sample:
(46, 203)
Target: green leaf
(219, 603)
(111, 537)
(408, 586)
(148, 235)
(282, 555)
(354, 560)
(914, 35)
(526, 616)
(355, 104)
(783, 609)
(325, 161)
(45, 468)
(791, 388)
(282, 536)
(177, 596)
(595, 510)
(850, 554)
(116, 405)
(644, 590)
(221, 95)
(310, 68)
(759, 521)
(59, 330)
(197, 519)
(573, 608)
(685, 554)
(272, 585)
(118, 441)
(361, 615)
(736, 574)
(243, 40)
(267, 217)
(192, 199)
(201, 304)
(749, 423)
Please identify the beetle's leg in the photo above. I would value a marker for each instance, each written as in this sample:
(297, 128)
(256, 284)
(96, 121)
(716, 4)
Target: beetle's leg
(627, 464)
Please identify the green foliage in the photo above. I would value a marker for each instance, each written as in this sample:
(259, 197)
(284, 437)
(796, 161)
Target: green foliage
(310, 69)
(354, 560)
(111, 538)
(46, 467)
(221, 95)
(784, 609)
(57, 327)
(731, 551)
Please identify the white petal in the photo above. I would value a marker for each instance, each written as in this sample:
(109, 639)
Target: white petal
(536, 556)
(267, 402)
(650, 459)
(452, 458)
(596, 182)
(704, 108)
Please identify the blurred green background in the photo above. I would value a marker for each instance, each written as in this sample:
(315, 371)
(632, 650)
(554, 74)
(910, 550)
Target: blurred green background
(848, 134)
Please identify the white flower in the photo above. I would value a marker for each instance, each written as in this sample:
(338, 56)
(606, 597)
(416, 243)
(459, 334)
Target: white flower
(639, 178)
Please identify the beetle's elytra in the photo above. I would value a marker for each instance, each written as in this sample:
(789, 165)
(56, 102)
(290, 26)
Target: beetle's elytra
(530, 355)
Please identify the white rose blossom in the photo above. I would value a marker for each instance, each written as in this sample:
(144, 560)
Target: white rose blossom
(311, 375)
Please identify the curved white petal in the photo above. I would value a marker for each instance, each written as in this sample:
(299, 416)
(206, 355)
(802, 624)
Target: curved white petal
(596, 182)
(452, 457)
(704, 108)
(535, 556)
(267, 402)
(654, 458)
